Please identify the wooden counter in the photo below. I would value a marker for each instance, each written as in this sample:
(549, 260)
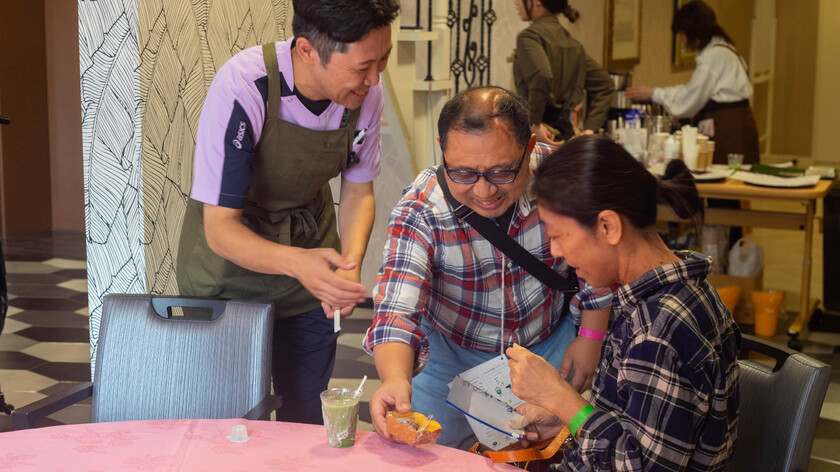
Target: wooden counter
(738, 190)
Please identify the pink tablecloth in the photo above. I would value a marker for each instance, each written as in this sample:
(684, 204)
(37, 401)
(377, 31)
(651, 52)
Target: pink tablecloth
(202, 445)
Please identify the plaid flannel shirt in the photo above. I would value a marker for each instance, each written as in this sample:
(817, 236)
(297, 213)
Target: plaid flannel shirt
(439, 268)
(666, 392)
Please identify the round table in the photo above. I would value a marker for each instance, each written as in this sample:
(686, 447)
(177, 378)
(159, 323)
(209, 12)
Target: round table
(202, 445)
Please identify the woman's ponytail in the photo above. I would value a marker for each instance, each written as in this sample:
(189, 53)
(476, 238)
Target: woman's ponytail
(677, 188)
(557, 7)
(571, 14)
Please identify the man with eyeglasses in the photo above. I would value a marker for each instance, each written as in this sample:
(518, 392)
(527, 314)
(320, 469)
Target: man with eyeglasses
(446, 299)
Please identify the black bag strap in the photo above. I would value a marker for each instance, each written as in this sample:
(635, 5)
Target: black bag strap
(506, 244)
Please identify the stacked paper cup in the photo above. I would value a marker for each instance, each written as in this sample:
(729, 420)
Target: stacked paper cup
(689, 146)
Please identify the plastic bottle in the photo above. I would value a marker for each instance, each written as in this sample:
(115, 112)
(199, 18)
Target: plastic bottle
(643, 117)
(632, 118)
(710, 239)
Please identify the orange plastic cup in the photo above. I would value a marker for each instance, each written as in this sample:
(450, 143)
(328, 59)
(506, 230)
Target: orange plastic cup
(729, 296)
(767, 306)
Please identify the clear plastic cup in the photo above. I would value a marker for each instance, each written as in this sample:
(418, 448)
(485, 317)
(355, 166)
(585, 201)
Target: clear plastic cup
(340, 407)
(735, 160)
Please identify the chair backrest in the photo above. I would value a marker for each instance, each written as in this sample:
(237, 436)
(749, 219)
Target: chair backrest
(151, 365)
(779, 408)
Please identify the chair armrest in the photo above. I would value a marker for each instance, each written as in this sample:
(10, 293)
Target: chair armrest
(25, 417)
(263, 409)
(776, 351)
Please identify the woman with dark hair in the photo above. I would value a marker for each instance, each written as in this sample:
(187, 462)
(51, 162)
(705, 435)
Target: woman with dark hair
(551, 71)
(665, 395)
(719, 90)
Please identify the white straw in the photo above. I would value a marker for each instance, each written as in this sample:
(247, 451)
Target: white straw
(359, 390)
(336, 321)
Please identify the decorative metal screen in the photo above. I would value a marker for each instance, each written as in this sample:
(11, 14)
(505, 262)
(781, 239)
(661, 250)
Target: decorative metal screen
(471, 27)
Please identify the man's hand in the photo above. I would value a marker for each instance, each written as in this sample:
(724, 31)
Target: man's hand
(391, 395)
(314, 269)
(345, 311)
(582, 356)
(539, 424)
(543, 135)
(232, 240)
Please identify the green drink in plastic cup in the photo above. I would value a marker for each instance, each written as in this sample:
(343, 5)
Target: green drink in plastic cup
(340, 407)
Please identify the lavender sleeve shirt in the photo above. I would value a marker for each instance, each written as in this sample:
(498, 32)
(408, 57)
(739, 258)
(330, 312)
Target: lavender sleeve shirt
(232, 120)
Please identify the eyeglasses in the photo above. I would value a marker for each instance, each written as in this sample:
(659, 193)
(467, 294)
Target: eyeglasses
(496, 177)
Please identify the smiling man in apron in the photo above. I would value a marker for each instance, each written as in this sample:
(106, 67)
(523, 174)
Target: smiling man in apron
(279, 121)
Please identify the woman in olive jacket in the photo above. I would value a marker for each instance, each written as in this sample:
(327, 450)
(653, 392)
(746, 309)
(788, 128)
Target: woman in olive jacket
(551, 71)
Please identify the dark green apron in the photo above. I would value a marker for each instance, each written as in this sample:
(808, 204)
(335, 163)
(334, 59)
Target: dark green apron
(289, 202)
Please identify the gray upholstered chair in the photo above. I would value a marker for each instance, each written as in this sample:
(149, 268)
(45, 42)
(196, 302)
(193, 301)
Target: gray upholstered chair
(780, 407)
(213, 361)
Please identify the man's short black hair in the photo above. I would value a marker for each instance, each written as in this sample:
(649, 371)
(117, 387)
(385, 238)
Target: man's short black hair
(332, 25)
(471, 112)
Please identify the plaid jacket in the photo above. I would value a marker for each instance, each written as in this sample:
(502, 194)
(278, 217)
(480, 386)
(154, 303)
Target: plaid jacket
(439, 268)
(666, 391)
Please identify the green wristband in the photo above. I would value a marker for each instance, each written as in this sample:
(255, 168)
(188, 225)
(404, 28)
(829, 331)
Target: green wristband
(579, 418)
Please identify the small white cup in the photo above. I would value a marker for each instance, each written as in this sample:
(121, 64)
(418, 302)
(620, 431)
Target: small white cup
(239, 433)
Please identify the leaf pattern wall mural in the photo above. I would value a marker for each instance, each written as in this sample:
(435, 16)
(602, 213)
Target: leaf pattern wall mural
(145, 69)
(111, 149)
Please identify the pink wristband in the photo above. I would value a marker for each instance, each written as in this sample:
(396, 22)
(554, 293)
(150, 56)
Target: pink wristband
(592, 334)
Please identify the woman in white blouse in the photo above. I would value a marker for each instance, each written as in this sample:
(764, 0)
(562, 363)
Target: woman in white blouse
(719, 90)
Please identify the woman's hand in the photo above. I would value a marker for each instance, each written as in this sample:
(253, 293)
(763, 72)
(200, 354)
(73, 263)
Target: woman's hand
(639, 93)
(534, 379)
(539, 424)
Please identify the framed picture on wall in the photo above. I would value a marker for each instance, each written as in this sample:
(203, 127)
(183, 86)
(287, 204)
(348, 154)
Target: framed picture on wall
(682, 56)
(624, 33)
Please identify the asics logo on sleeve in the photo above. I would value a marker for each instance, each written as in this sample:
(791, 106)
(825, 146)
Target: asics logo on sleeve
(237, 141)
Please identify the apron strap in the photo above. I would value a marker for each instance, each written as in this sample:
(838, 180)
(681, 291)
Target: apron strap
(274, 86)
(349, 120)
(734, 51)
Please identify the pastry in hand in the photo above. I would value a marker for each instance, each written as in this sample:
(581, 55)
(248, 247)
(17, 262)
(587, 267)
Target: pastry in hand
(412, 428)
